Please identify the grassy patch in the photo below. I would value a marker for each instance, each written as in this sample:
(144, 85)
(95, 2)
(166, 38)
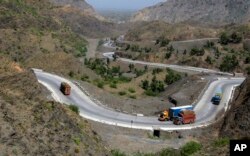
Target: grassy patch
(149, 92)
(131, 90)
(190, 148)
(77, 141)
(221, 142)
(74, 109)
(112, 85)
(49, 106)
(132, 96)
(117, 153)
(100, 84)
(122, 93)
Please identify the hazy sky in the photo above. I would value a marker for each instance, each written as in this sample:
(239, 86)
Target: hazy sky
(122, 4)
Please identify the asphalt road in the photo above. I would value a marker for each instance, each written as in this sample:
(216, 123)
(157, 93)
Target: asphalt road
(161, 65)
(206, 112)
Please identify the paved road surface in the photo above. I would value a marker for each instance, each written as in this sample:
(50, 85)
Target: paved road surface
(205, 110)
(161, 65)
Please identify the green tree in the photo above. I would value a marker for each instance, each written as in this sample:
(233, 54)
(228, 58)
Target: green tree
(145, 68)
(71, 73)
(145, 84)
(168, 55)
(229, 63)
(108, 61)
(209, 60)
(171, 77)
(170, 49)
(247, 60)
(197, 52)
(131, 67)
(185, 52)
(114, 57)
(127, 47)
(236, 37)
(224, 39)
(248, 70)
(217, 53)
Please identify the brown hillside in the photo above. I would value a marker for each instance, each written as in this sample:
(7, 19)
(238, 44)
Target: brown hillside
(209, 12)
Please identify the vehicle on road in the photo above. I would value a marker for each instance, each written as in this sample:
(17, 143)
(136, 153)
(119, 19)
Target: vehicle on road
(164, 116)
(217, 97)
(173, 112)
(65, 88)
(185, 117)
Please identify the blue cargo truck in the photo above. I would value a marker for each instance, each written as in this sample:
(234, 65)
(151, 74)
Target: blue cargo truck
(174, 111)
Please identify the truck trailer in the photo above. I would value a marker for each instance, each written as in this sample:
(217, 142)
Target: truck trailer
(173, 112)
(185, 117)
(65, 88)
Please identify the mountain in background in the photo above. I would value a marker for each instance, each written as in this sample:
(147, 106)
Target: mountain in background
(206, 12)
(80, 5)
(83, 19)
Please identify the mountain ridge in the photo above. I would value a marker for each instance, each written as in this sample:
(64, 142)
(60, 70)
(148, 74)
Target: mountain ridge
(208, 12)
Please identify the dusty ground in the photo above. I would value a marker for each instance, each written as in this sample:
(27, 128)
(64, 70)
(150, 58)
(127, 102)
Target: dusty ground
(93, 43)
(132, 141)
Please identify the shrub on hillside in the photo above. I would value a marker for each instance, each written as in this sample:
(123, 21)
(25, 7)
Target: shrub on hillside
(233, 38)
(197, 52)
(172, 77)
(229, 63)
(190, 148)
(122, 93)
(74, 109)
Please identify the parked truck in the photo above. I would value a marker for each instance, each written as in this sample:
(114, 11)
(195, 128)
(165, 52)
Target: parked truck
(65, 88)
(185, 117)
(173, 112)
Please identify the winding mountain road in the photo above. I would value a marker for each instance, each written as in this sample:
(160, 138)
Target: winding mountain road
(206, 112)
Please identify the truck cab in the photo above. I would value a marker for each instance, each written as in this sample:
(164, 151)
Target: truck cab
(65, 88)
(164, 116)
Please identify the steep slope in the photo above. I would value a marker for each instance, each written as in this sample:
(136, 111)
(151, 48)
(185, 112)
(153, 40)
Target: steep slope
(83, 19)
(81, 5)
(31, 124)
(237, 121)
(30, 30)
(177, 32)
(206, 12)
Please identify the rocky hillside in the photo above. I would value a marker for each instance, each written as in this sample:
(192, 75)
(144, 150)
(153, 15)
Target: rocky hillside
(237, 124)
(83, 19)
(150, 31)
(81, 5)
(32, 125)
(31, 35)
(206, 12)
